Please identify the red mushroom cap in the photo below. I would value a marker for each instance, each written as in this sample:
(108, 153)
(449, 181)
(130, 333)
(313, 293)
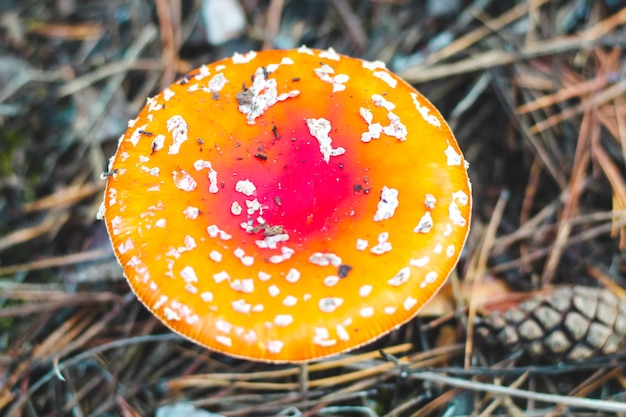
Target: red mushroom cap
(284, 206)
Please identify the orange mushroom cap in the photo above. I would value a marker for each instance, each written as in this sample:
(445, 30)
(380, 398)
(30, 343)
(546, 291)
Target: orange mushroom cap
(284, 206)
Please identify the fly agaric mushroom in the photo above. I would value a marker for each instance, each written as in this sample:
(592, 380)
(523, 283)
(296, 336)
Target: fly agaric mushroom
(284, 206)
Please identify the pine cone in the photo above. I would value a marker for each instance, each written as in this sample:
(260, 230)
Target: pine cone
(569, 323)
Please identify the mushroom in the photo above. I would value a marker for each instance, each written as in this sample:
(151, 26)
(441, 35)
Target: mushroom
(287, 205)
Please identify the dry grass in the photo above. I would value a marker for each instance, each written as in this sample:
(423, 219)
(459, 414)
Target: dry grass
(535, 92)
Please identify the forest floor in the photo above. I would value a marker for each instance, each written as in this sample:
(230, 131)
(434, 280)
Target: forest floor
(535, 92)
